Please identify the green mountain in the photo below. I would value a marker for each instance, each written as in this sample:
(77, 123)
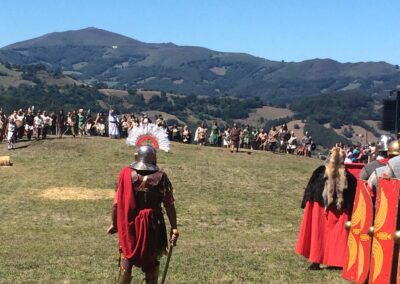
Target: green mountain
(95, 55)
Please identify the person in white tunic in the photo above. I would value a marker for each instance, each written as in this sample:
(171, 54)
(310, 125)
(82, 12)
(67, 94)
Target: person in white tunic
(11, 133)
(113, 123)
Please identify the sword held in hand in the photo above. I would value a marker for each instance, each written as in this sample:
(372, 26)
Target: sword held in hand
(173, 240)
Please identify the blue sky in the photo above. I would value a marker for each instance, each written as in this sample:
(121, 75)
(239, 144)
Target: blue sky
(290, 30)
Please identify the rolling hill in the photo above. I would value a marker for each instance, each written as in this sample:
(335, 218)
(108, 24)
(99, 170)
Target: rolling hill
(93, 55)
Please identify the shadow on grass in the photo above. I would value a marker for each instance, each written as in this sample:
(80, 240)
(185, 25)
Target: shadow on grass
(22, 147)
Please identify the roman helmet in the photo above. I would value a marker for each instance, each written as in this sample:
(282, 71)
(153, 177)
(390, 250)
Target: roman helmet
(394, 148)
(384, 141)
(147, 139)
(145, 159)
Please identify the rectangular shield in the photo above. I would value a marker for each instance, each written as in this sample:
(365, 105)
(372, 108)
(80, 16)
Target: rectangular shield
(385, 224)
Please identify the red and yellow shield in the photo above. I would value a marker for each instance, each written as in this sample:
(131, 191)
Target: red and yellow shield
(365, 241)
(358, 243)
(384, 229)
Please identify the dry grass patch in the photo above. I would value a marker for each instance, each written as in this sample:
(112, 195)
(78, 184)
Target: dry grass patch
(267, 113)
(76, 193)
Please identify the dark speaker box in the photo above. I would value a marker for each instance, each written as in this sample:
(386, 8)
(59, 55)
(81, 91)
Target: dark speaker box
(389, 115)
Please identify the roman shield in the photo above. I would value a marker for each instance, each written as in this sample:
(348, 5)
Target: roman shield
(351, 255)
(384, 228)
(365, 241)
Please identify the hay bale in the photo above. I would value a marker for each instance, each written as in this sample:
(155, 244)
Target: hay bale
(5, 161)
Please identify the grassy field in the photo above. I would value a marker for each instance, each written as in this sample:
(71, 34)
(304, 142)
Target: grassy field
(238, 214)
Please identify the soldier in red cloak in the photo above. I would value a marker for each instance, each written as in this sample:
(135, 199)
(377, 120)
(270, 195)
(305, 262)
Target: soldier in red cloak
(137, 216)
(327, 203)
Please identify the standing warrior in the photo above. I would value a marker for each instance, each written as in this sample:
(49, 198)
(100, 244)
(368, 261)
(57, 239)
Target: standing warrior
(246, 137)
(11, 134)
(381, 159)
(137, 215)
(327, 202)
(29, 122)
(234, 137)
(307, 144)
(200, 135)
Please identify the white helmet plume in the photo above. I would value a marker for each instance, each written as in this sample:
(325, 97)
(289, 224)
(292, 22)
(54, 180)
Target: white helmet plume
(149, 134)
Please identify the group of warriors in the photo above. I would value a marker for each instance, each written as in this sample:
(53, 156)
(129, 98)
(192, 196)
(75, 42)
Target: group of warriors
(339, 204)
(275, 140)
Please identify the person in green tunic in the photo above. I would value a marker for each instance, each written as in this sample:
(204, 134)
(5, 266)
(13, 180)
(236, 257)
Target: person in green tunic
(215, 133)
(81, 123)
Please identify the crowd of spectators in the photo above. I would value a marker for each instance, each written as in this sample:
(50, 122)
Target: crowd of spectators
(39, 124)
(275, 140)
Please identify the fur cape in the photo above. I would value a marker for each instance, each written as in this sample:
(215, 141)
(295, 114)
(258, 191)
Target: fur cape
(335, 179)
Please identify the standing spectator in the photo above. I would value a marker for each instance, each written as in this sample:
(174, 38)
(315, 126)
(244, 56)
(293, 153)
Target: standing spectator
(81, 123)
(262, 140)
(134, 121)
(89, 125)
(11, 133)
(53, 127)
(145, 119)
(307, 142)
(38, 124)
(113, 122)
(161, 122)
(234, 137)
(72, 122)
(215, 133)
(226, 134)
(272, 139)
(200, 135)
(100, 124)
(3, 124)
(175, 133)
(292, 143)
(29, 122)
(254, 139)
(246, 137)
(60, 122)
(46, 124)
(283, 137)
(124, 127)
(20, 117)
(186, 135)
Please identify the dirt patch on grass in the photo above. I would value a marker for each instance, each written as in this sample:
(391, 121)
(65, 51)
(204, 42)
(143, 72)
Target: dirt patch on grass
(76, 193)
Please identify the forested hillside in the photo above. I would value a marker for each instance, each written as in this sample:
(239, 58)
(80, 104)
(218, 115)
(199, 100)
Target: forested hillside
(92, 55)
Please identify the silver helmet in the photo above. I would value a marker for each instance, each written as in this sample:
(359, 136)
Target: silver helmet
(146, 159)
(383, 143)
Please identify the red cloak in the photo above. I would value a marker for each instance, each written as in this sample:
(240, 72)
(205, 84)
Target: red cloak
(135, 237)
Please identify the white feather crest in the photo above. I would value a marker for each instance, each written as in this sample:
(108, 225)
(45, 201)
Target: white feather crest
(149, 129)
